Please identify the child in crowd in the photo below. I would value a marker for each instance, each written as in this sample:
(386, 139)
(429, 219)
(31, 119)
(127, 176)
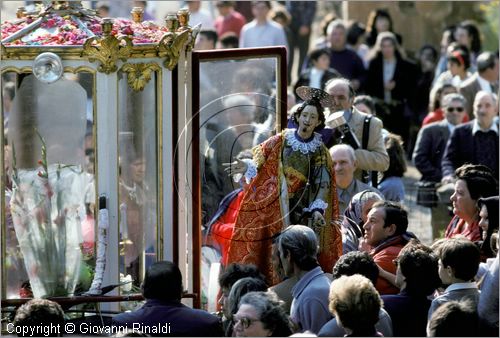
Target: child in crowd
(458, 264)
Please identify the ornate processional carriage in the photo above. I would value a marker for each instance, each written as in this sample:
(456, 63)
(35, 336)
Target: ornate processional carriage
(110, 158)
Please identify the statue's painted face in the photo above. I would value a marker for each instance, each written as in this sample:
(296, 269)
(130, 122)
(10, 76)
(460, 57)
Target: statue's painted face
(308, 121)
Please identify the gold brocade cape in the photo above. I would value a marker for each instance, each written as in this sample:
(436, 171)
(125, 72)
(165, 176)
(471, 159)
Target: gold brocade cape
(261, 218)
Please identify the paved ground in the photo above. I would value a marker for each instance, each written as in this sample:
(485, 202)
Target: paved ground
(419, 217)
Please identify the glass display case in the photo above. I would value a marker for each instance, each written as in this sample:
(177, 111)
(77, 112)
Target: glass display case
(87, 108)
(114, 133)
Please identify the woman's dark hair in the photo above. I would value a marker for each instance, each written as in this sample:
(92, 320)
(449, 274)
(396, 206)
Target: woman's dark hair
(241, 288)
(491, 204)
(397, 161)
(460, 56)
(372, 19)
(368, 101)
(376, 51)
(419, 266)
(471, 28)
(311, 102)
(436, 104)
(479, 179)
(432, 49)
(355, 31)
(315, 54)
(451, 30)
(271, 312)
(236, 271)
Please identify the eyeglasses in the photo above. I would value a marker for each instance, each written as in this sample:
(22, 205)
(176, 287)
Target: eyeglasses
(458, 109)
(245, 321)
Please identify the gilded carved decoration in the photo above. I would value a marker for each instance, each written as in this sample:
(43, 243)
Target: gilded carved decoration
(183, 19)
(3, 50)
(108, 50)
(139, 74)
(170, 46)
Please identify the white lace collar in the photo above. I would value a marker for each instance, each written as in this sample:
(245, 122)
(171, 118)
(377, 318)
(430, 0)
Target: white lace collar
(298, 145)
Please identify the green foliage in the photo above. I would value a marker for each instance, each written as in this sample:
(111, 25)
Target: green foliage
(489, 28)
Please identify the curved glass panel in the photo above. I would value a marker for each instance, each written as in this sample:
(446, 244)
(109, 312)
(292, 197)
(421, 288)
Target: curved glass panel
(50, 187)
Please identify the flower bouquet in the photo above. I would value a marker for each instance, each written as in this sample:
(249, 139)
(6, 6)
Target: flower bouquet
(47, 205)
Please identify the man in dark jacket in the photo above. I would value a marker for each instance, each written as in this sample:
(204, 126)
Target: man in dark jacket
(475, 142)
(164, 314)
(429, 150)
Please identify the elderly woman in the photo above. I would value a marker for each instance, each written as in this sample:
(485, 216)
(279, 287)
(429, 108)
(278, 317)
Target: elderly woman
(291, 181)
(354, 217)
(238, 290)
(473, 181)
(261, 314)
(356, 305)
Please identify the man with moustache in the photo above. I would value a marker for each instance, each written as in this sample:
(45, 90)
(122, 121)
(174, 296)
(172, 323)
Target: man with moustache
(374, 157)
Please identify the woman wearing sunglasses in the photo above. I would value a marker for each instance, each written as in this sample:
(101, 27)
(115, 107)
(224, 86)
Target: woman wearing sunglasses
(261, 314)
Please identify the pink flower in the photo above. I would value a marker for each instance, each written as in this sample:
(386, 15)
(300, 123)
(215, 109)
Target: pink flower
(50, 23)
(127, 30)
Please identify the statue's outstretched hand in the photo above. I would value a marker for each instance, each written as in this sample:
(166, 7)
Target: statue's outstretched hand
(236, 167)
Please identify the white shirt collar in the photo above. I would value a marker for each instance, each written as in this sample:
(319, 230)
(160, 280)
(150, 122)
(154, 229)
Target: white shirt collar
(451, 127)
(460, 286)
(485, 85)
(476, 127)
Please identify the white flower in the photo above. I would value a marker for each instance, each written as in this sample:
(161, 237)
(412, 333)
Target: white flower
(128, 280)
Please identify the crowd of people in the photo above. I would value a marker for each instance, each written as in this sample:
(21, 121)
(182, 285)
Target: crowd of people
(316, 240)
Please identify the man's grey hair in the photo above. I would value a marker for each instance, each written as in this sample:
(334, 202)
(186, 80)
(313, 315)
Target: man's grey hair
(260, 300)
(302, 243)
(482, 93)
(344, 147)
(338, 23)
(341, 80)
(445, 101)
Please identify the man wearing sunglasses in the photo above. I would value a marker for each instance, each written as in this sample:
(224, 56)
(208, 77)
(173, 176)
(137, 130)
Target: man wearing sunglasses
(475, 142)
(429, 150)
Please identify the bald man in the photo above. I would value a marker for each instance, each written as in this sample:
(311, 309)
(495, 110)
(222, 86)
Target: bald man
(475, 142)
